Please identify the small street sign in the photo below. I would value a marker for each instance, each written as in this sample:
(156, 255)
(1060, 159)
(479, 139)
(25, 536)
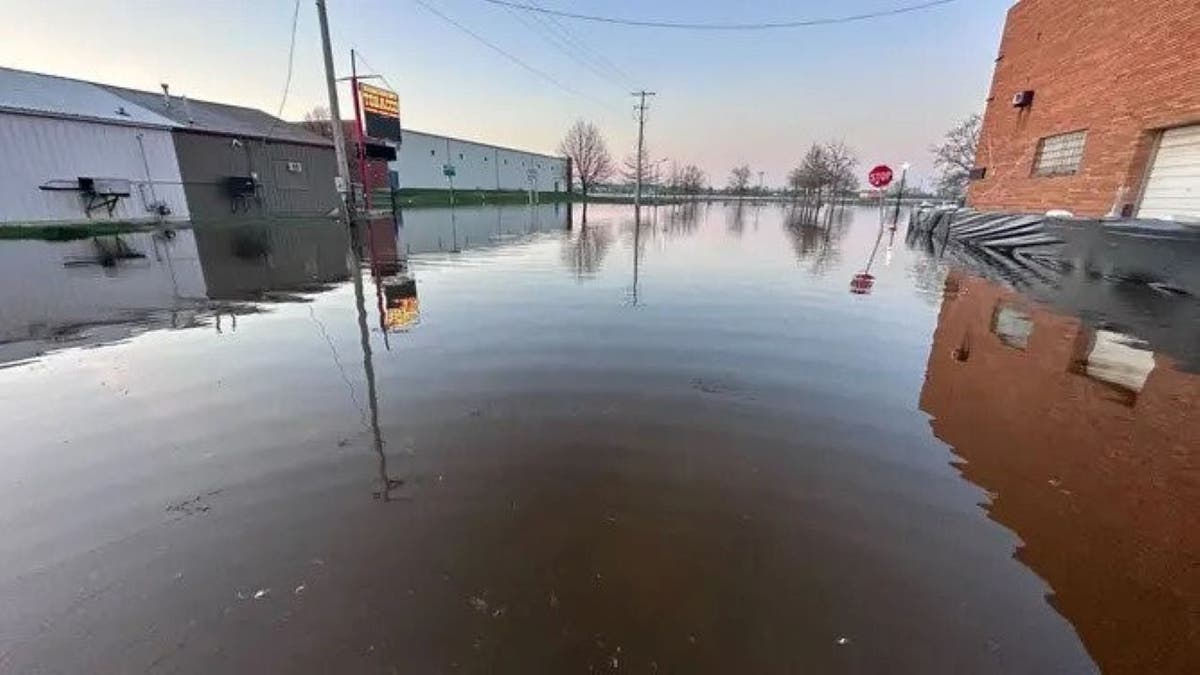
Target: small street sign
(880, 177)
(448, 170)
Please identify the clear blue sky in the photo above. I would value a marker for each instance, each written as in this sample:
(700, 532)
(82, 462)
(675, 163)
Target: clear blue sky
(890, 86)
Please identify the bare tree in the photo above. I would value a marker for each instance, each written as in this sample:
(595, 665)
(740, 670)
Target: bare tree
(317, 121)
(651, 172)
(739, 179)
(692, 179)
(839, 170)
(589, 155)
(955, 157)
(824, 176)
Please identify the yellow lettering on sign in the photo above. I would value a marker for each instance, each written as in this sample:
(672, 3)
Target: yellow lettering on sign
(379, 101)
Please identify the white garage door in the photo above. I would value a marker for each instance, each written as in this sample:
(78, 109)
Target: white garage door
(1173, 186)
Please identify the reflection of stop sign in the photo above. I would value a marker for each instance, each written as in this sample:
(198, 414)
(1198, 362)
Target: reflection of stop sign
(862, 283)
(880, 176)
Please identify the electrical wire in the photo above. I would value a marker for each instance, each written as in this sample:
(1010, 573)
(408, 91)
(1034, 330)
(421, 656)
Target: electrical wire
(595, 55)
(485, 42)
(373, 71)
(535, 24)
(797, 23)
(291, 61)
(287, 83)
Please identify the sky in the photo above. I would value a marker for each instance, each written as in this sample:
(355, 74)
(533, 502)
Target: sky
(890, 87)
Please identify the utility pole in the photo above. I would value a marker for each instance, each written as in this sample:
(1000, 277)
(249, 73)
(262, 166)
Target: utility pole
(641, 110)
(335, 115)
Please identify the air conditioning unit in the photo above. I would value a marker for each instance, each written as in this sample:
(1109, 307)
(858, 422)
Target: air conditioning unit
(1023, 99)
(295, 167)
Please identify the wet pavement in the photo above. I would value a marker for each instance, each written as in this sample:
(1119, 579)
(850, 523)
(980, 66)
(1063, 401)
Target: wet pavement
(506, 441)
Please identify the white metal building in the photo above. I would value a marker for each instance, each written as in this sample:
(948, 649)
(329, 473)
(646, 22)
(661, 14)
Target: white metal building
(422, 158)
(54, 131)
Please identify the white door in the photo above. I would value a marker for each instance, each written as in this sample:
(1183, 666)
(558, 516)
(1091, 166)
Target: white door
(1173, 185)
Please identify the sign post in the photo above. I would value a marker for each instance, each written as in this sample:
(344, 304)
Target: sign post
(879, 178)
(448, 171)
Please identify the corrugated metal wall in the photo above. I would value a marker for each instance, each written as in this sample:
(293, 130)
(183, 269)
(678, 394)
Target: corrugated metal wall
(477, 166)
(36, 150)
(207, 161)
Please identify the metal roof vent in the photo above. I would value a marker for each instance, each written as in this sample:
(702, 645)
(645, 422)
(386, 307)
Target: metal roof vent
(166, 94)
(187, 110)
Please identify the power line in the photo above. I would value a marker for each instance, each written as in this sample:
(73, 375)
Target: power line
(797, 23)
(534, 23)
(540, 73)
(373, 70)
(287, 83)
(597, 56)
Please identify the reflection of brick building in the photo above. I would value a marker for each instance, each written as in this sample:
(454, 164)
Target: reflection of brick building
(1092, 462)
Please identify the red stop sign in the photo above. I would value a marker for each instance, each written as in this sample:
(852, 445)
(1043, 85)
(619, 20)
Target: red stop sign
(880, 176)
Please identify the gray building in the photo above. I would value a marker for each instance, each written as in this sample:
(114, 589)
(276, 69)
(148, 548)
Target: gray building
(239, 163)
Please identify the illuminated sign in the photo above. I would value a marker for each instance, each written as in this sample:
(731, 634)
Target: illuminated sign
(403, 314)
(380, 111)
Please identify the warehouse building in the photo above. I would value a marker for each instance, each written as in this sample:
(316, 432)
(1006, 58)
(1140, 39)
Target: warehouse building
(73, 152)
(1094, 108)
(241, 163)
(80, 152)
(422, 161)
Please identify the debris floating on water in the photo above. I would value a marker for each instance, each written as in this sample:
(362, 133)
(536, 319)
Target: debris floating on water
(843, 641)
(300, 589)
(261, 593)
(478, 604)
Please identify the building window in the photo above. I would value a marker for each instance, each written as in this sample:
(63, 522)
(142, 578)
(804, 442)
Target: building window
(460, 155)
(1012, 326)
(432, 153)
(1059, 155)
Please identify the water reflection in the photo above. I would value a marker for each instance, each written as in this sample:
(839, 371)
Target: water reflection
(1087, 443)
(97, 290)
(459, 229)
(570, 481)
(273, 261)
(584, 250)
(816, 242)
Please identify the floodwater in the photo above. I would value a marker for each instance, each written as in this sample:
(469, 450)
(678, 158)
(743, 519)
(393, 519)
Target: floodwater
(506, 441)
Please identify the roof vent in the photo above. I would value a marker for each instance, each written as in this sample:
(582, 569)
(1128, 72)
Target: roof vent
(187, 110)
(166, 94)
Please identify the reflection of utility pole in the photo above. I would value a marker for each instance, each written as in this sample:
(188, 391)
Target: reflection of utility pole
(641, 146)
(335, 114)
(637, 241)
(387, 484)
(760, 183)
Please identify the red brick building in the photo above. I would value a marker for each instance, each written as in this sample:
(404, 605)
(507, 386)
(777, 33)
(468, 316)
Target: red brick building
(1093, 104)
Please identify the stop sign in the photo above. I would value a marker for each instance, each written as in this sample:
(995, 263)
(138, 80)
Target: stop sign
(880, 176)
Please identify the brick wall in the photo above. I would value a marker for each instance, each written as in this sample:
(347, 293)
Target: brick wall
(1121, 69)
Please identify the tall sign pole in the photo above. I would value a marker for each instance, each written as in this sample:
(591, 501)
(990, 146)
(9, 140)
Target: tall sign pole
(335, 114)
(361, 152)
(641, 146)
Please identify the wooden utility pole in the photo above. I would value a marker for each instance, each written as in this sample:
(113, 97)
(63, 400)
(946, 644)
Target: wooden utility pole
(335, 114)
(641, 146)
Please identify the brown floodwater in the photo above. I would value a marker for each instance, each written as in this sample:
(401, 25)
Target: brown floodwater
(506, 441)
